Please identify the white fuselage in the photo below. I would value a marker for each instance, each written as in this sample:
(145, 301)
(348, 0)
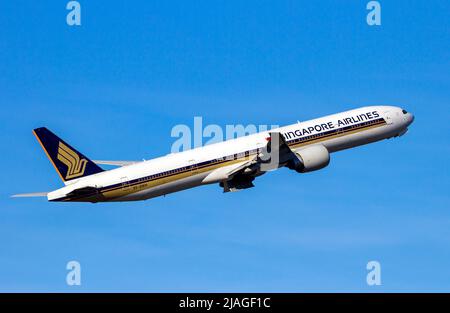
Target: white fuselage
(179, 171)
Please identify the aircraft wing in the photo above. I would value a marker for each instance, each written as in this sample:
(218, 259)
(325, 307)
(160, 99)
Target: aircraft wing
(115, 163)
(240, 176)
(32, 194)
(228, 172)
(241, 167)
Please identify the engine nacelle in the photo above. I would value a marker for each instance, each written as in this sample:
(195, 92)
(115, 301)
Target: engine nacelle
(310, 159)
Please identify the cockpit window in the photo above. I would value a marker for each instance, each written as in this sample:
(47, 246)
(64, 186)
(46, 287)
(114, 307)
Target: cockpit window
(404, 111)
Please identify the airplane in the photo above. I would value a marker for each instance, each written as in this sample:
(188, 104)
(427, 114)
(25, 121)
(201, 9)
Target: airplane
(233, 164)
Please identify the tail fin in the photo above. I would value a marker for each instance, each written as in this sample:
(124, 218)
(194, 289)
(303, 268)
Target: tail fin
(68, 162)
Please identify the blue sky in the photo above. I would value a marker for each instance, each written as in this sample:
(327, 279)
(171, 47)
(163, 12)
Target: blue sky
(114, 88)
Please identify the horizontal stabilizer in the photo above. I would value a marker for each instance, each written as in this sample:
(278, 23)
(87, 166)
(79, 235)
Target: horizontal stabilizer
(33, 194)
(115, 163)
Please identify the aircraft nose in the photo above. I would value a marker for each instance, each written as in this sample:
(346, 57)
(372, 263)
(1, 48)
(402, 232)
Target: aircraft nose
(408, 117)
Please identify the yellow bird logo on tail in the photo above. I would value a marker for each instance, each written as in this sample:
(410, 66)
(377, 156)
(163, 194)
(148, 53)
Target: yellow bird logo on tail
(75, 165)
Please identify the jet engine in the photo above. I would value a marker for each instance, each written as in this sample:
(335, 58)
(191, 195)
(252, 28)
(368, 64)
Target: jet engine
(309, 159)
